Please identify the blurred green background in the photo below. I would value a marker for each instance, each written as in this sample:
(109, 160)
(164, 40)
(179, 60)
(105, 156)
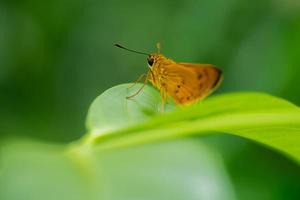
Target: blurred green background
(57, 56)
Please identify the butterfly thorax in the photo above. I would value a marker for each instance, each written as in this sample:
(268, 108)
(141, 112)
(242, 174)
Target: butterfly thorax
(157, 63)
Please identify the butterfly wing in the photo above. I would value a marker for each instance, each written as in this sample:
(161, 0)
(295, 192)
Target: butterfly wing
(188, 83)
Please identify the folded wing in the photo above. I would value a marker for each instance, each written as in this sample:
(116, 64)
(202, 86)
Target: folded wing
(188, 83)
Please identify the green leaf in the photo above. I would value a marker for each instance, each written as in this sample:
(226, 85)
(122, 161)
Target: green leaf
(178, 170)
(112, 110)
(260, 117)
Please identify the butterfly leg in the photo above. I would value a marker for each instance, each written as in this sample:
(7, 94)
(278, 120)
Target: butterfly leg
(138, 80)
(163, 100)
(141, 88)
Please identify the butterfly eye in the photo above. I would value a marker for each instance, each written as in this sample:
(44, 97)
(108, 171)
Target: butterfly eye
(150, 61)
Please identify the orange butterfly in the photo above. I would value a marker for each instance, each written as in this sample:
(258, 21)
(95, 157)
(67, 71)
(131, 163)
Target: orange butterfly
(186, 83)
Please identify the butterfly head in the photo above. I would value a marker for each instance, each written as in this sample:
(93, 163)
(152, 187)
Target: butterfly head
(151, 60)
(154, 58)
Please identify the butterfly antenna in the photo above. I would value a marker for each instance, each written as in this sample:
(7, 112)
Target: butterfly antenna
(120, 46)
(158, 47)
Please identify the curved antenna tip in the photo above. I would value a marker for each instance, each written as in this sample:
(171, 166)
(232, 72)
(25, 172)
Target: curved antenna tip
(120, 46)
